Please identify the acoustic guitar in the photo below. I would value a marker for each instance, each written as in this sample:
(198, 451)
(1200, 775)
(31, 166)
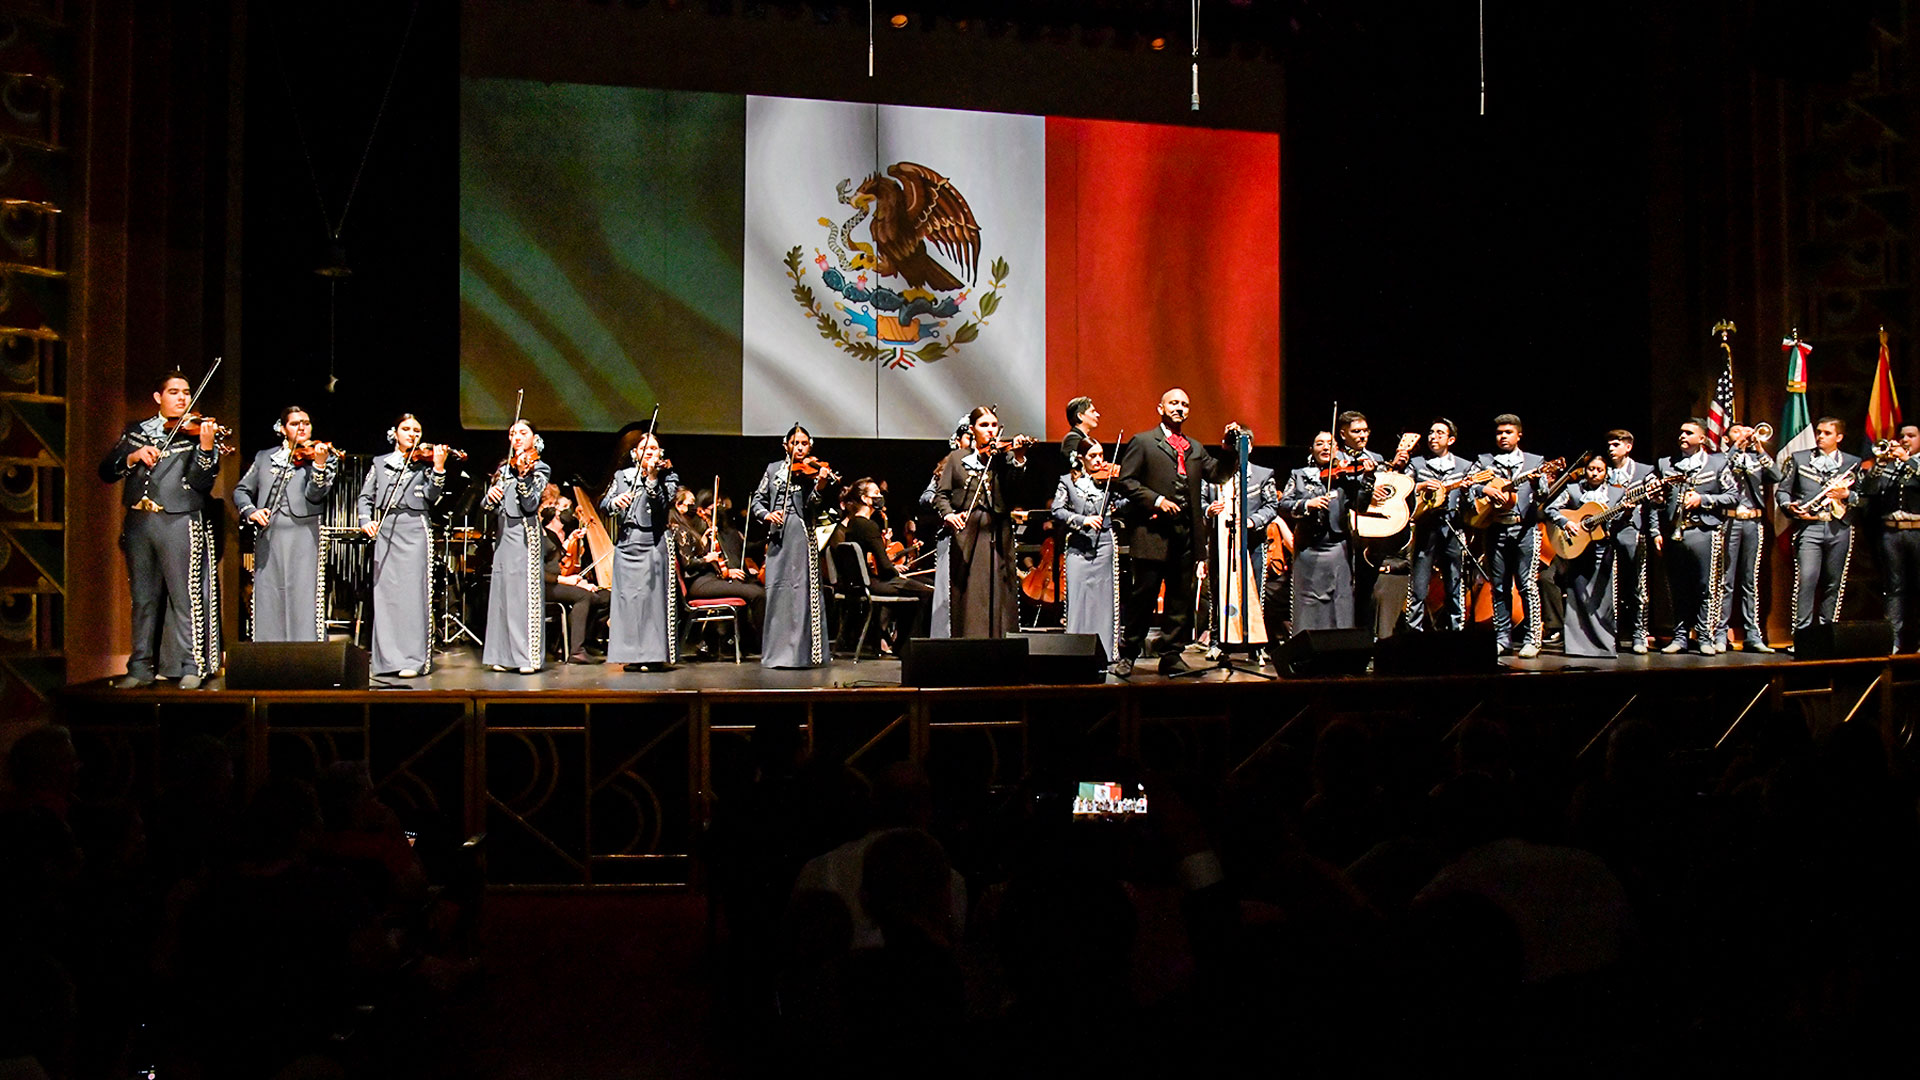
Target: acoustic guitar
(1387, 513)
(1486, 511)
(1427, 500)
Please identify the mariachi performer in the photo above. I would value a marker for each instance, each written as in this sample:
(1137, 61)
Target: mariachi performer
(974, 503)
(1092, 568)
(940, 622)
(283, 495)
(795, 634)
(399, 491)
(1587, 580)
(516, 598)
(169, 548)
(642, 629)
(1322, 570)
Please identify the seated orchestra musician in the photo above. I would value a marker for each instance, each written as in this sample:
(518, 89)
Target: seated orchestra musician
(713, 561)
(568, 572)
(861, 525)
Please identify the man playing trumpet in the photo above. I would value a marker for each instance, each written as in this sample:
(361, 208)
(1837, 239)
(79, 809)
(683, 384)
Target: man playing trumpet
(1753, 469)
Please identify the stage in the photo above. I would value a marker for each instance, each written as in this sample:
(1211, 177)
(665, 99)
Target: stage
(591, 775)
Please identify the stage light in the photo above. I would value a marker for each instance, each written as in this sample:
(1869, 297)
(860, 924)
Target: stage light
(899, 22)
(1157, 44)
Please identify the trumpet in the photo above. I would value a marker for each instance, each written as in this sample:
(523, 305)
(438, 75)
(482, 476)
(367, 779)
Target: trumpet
(1762, 432)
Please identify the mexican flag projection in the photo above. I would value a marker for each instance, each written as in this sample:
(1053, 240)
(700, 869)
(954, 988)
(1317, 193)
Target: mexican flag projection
(868, 270)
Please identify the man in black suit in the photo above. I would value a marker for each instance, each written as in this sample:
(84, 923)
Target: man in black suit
(1160, 476)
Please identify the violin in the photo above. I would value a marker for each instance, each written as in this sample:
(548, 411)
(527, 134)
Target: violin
(190, 425)
(524, 461)
(1104, 471)
(570, 552)
(1018, 442)
(313, 453)
(816, 468)
(424, 452)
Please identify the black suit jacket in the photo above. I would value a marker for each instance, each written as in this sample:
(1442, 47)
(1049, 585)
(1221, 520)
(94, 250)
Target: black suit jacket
(1149, 470)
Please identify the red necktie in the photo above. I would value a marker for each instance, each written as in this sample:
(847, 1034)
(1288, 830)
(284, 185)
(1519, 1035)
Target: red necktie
(1179, 444)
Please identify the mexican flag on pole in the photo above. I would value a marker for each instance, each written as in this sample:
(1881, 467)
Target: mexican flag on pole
(1795, 427)
(1883, 405)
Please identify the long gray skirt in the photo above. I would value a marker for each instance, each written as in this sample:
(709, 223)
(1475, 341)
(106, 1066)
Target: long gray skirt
(645, 606)
(516, 598)
(1322, 589)
(1093, 592)
(1591, 617)
(402, 594)
(795, 635)
(288, 581)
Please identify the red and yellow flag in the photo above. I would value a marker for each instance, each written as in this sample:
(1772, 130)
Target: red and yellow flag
(1883, 405)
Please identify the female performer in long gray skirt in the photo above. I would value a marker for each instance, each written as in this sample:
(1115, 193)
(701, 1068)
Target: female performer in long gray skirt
(516, 597)
(1587, 579)
(645, 613)
(1092, 570)
(394, 502)
(795, 634)
(282, 495)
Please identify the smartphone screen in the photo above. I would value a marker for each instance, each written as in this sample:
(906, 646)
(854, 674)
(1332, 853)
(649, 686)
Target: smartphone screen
(1109, 800)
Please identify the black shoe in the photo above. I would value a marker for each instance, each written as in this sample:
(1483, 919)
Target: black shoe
(633, 667)
(1122, 668)
(580, 657)
(1171, 663)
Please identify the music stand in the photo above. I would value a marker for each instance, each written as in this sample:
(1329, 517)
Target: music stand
(452, 626)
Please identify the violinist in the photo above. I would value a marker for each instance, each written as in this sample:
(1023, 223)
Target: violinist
(169, 548)
(566, 586)
(641, 633)
(785, 500)
(394, 501)
(974, 503)
(282, 496)
(1322, 572)
(1092, 567)
(864, 506)
(516, 619)
(713, 560)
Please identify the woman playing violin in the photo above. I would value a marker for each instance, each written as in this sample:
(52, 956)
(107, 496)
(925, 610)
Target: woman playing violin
(516, 619)
(1080, 506)
(393, 508)
(282, 495)
(972, 499)
(642, 630)
(788, 494)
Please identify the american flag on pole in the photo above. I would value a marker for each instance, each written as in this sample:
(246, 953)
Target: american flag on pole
(1720, 412)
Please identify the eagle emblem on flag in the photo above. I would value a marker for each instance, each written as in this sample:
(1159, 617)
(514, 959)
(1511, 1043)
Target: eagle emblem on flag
(896, 292)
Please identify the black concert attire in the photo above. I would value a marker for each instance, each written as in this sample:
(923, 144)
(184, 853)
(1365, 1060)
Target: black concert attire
(1158, 464)
(981, 569)
(1071, 444)
(1695, 541)
(1439, 542)
(887, 580)
(1893, 490)
(170, 554)
(1753, 470)
(1822, 547)
(1513, 550)
(580, 603)
(1366, 574)
(1632, 554)
(706, 582)
(1322, 564)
